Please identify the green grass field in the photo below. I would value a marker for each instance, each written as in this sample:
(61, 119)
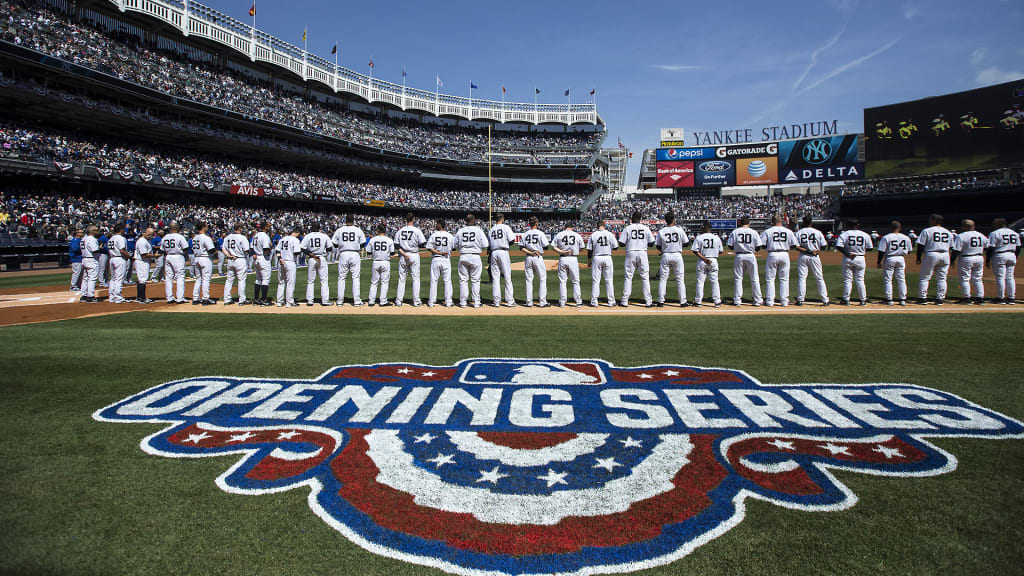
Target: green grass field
(80, 497)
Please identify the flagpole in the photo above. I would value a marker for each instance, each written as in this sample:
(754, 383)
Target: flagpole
(470, 115)
(403, 87)
(490, 203)
(252, 39)
(536, 115)
(437, 95)
(305, 52)
(335, 65)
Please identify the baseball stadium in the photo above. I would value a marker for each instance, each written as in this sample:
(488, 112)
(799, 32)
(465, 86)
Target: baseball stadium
(262, 313)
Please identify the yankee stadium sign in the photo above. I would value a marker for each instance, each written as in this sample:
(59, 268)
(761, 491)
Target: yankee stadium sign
(498, 466)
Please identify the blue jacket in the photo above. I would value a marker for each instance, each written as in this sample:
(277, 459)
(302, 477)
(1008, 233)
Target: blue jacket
(75, 250)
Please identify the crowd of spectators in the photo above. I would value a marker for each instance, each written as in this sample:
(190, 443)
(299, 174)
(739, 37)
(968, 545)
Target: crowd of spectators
(128, 58)
(987, 179)
(46, 145)
(700, 207)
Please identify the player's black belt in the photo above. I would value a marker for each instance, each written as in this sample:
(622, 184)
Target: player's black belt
(356, 251)
(567, 256)
(1006, 251)
(88, 257)
(441, 256)
(743, 253)
(937, 252)
(778, 250)
(499, 249)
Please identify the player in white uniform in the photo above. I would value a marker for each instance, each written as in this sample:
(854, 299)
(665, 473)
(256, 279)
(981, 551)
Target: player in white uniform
(262, 248)
(203, 250)
(892, 249)
(409, 240)
(969, 246)
(707, 247)
(933, 255)
(349, 240)
(1003, 248)
(533, 244)
(637, 239)
(90, 265)
(854, 243)
(440, 245)
(174, 246)
(235, 248)
(381, 249)
(778, 241)
(144, 256)
(470, 241)
(288, 250)
(117, 249)
(671, 240)
(600, 246)
(745, 243)
(157, 266)
(315, 246)
(501, 239)
(567, 244)
(809, 243)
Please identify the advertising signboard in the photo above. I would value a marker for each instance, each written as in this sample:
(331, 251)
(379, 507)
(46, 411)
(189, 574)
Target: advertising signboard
(757, 171)
(675, 174)
(820, 160)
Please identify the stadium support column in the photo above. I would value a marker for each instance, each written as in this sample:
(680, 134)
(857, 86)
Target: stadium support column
(490, 203)
(184, 17)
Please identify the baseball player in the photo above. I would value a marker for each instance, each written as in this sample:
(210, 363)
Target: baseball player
(288, 250)
(349, 240)
(219, 242)
(567, 244)
(103, 259)
(1003, 249)
(117, 248)
(600, 246)
(470, 241)
(533, 245)
(144, 256)
(891, 251)
(809, 243)
(501, 238)
(745, 242)
(778, 241)
(75, 257)
(637, 239)
(854, 243)
(670, 242)
(174, 246)
(129, 238)
(262, 249)
(707, 246)
(90, 267)
(440, 245)
(969, 246)
(409, 240)
(235, 247)
(380, 248)
(203, 250)
(157, 265)
(933, 255)
(315, 246)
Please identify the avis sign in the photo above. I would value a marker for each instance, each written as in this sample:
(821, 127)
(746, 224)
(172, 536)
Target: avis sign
(497, 466)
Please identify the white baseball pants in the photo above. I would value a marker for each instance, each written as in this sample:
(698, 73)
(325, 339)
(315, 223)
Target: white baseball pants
(746, 265)
(117, 270)
(776, 267)
(971, 269)
(204, 272)
(894, 267)
(569, 269)
(809, 264)
(637, 262)
(1003, 264)
(936, 263)
(602, 267)
(142, 267)
(707, 270)
(440, 269)
(318, 269)
(535, 268)
(409, 266)
(91, 271)
(380, 275)
(237, 270)
(286, 282)
(76, 275)
(174, 277)
(348, 264)
(853, 271)
(501, 271)
(103, 260)
(469, 276)
(672, 263)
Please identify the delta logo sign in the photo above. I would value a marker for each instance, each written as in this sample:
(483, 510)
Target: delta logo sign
(498, 466)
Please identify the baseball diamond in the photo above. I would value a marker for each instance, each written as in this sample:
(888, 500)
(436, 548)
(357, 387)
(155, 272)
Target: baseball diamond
(387, 302)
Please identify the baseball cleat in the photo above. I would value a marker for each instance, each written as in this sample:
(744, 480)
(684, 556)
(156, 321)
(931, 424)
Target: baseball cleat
(684, 304)
(661, 304)
(530, 304)
(398, 303)
(476, 304)
(245, 303)
(939, 302)
(228, 302)
(291, 305)
(799, 302)
(462, 304)
(543, 305)
(718, 304)
(561, 304)
(510, 304)
(888, 302)
(903, 302)
(697, 304)
(844, 302)
(325, 304)
(430, 304)
(386, 303)
(372, 304)
(196, 302)
(449, 304)
(863, 302)
(358, 304)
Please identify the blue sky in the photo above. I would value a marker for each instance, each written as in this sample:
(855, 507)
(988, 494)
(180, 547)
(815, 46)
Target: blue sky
(720, 66)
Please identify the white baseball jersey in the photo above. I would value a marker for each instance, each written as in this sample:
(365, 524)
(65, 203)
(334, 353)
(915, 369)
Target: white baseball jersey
(90, 247)
(142, 246)
(288, 246)
(935, 239)
(501, 237)
(856, 242)
(744, 240)
(235, 246)
(441, 241)
(410, 238)
(173, 244)
(261, 242)
(708, 245)
(811, 239)
(536, 240)
(202, 246)
(895, 244)
(349, 239)
(471, 240)
(636, 238)
(115, 244)
(601, 243)
(1004, 240)
(569, 241)
(315, 243)
(671, 239)
(380, 248)
(778, 239)
(970, 243)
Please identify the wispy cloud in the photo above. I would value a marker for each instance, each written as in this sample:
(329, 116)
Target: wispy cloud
(675, 67)
(911, 10)
(818, 52)
(978, 56)
(996, 75)
(851, 64)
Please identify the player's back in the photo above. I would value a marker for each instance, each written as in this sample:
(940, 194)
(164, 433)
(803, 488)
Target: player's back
(708, 245)
(349, 239)
(636, 238)
(970, 243)
(895, 244)
(744, 240)
(936, 239)
(671, 239)
(856, 242)
(380, 247)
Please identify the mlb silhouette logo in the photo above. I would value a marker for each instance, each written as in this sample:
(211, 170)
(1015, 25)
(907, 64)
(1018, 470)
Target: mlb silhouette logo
(533, 373)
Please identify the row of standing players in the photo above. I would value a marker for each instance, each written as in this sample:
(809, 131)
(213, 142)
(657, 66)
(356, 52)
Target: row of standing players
(934, 247)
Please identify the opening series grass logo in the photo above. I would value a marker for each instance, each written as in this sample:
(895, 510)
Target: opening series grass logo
(499, 466)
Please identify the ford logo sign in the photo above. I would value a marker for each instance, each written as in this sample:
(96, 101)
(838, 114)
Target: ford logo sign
(714, 166)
